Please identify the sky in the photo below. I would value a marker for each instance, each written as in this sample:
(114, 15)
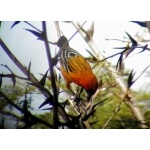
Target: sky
(104, 10)
(26, 47)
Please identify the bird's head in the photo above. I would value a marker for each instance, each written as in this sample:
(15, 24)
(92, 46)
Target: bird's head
(62, 42)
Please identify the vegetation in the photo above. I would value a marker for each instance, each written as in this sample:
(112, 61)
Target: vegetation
(114, 105)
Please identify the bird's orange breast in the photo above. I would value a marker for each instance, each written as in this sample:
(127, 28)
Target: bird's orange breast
(79, 72)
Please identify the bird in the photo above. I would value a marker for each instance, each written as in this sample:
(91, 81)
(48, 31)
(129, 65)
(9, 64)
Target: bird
(76, 69)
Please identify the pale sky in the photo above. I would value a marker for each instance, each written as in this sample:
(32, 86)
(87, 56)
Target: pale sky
(26, 47)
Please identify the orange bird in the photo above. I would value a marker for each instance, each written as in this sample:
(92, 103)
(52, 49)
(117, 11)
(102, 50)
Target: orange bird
(75, 68)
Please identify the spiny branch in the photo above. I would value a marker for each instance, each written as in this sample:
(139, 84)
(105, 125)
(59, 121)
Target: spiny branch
(54, 88)
(36, 119)
(116, 110)
(132, 104)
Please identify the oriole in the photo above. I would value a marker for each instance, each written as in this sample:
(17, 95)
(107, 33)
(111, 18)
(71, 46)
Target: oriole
(75, 68)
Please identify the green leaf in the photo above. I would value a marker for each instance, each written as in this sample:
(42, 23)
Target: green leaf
(99, 103)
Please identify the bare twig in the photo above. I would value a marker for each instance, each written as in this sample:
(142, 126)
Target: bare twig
(118, 40)
(31, 77)
(148, 25)
(36, 119)
(86, 123)
(132, 104)
(10, 75)
(32, 26)
(16, 61)
(141, 73)
(58, 29)
(116, 110)
(55, 95)
(125, 95)
(107, 58)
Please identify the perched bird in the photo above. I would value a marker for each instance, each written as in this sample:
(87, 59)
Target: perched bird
(75, 68)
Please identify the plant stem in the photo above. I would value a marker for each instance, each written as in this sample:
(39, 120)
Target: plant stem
(54, 88)
(131, 103)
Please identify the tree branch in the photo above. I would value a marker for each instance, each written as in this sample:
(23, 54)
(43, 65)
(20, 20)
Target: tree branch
(55, 93)
(31, 77)
(36, 119)
(131, 103)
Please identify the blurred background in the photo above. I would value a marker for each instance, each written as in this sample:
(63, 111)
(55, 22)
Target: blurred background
(28, 48)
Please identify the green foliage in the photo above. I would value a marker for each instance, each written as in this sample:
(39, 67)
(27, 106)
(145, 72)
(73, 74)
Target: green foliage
(48, 117)
(113, 113)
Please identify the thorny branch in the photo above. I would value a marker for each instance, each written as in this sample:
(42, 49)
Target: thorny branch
(132, 104)
(32, 79)
(116, 110)
(55, 94)
(125, 96)
(87, 36)
(35, 119)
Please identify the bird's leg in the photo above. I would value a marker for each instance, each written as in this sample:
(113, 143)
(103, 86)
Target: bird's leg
(77, 96)
(80, 105)
(80, 91)
(78, 100)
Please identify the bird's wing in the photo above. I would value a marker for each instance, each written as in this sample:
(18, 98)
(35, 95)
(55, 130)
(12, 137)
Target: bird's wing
(73, 61)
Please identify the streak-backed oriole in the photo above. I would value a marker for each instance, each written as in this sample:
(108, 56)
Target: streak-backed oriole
(75, 68)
